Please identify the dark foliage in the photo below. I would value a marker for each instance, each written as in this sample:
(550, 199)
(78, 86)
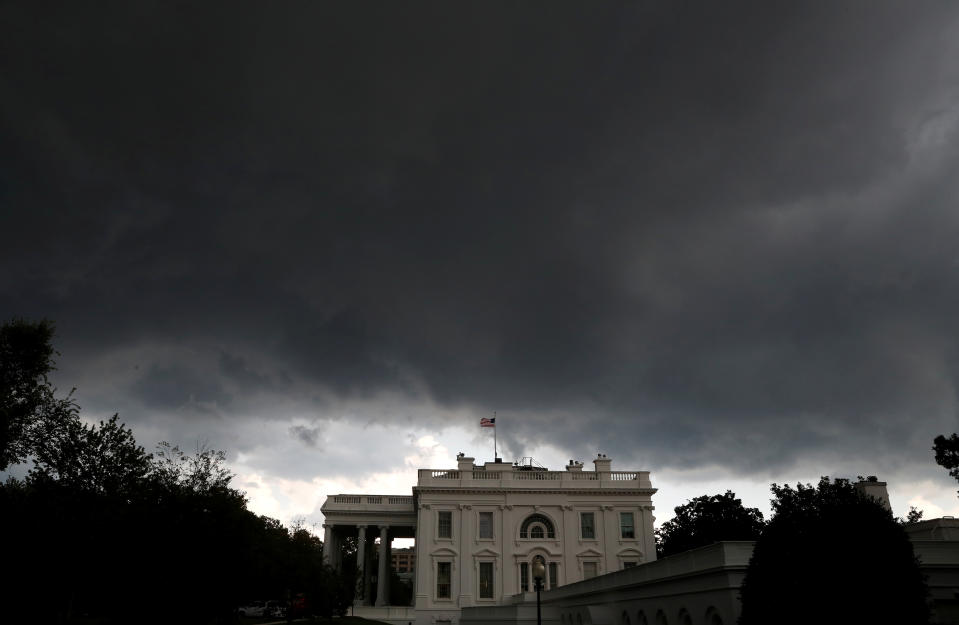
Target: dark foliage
(832, 555)
(100, 529)
(947, 453)
(708, 519)
(26, 357)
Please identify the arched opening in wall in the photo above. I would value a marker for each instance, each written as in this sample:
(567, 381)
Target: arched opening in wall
(712, 616)
(684, 617)
(579, 619)
(661, 618)
(625, 618)
(641, 618)
(538, 524)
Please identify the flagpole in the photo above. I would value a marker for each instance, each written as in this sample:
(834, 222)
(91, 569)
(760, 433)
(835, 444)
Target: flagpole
(494, 436)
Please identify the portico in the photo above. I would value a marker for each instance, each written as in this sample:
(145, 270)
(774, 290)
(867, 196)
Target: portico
(365, 518)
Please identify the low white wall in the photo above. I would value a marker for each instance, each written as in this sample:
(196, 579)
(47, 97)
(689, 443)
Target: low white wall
(395, 615)
(702, 583)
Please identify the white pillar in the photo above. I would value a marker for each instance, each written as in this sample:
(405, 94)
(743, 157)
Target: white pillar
(415, 565)
(336, 556)
(327, 546)
(368, 581)
(382, 577)
(424, 565)
(360, 563)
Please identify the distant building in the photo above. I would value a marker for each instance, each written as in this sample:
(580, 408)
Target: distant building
(404, 563)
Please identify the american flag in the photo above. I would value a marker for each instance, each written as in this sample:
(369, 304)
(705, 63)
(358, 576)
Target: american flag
(487, 423)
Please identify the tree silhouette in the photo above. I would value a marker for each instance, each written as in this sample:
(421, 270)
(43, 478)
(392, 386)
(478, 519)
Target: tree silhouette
(101, 531)
(26, 396)
(708, 519)
(947, 453)
(832, 555)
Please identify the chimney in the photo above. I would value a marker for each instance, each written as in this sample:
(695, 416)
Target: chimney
(574, 466)
(872, 487)
(464, 462)
(602, 463)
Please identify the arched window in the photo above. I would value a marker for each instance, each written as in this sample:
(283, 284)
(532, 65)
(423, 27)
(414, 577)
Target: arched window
(641, 618)
(536, 526)
(625, 619)
(712, 616)
(685, 618)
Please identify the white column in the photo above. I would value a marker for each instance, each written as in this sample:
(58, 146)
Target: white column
(648, 535)
(416, 564)
(327, 546)
(466, 565)
(368, 582)
(336, 556)
(360, 563)
(382, 577)
(424, 564)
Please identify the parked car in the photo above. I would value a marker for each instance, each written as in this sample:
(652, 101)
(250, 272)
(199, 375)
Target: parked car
(253, 608)
(275, 608)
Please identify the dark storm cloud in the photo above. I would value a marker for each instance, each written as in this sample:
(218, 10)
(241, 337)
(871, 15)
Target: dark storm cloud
(641, 226)
(236, 368)
(172, 387)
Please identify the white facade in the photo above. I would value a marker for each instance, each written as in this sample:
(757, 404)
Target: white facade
(479, 529)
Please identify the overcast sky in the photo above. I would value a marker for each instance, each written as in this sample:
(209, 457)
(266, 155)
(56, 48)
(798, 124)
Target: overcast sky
(716, 241)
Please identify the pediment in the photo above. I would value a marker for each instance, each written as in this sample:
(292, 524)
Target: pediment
(589, 553)
(487, 552)
(444, 551)
(629, 552)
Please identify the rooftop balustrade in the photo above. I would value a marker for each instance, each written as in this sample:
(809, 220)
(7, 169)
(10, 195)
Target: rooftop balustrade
(386, 503)
(534, 479)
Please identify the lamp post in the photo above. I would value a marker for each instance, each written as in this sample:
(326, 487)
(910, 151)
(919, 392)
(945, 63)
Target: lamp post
(539, 574)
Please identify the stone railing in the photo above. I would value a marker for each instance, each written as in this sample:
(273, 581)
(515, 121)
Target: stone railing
(534, 479)
(369, 502)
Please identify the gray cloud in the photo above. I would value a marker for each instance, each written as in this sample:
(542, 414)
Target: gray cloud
(172, 387)
(681, 235)
(307, 435)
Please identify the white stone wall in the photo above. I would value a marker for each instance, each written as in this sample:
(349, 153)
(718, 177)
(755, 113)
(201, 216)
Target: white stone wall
(512, 498)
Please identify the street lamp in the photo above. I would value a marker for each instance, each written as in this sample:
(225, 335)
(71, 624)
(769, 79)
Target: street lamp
(539, 574)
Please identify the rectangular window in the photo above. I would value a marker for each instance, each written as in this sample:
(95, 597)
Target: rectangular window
(486, 580)
(524, 577)
(626, 525)
(443, 580)
(553, 579)
(589, 570)
(485, 524)
(628, 565)
(586, 525)
(445, 524)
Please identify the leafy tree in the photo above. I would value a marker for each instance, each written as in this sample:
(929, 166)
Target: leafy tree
(102, 458)
(913, 516)
(825, 555)
(708, 519)
(947, 453)
(101, 528)
(203, 472)
(26, 357)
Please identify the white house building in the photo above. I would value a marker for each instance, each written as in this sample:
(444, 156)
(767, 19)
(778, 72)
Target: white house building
(478, 530)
